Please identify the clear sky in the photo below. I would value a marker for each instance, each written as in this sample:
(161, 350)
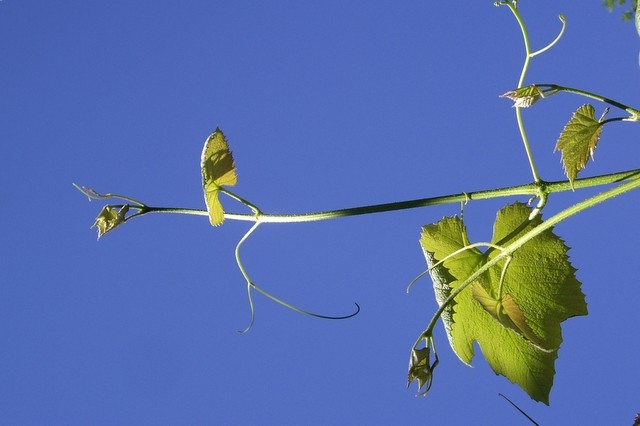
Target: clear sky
(325, 105)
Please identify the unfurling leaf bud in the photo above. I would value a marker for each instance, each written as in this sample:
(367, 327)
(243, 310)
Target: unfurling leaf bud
(524, 97)
(109, 218)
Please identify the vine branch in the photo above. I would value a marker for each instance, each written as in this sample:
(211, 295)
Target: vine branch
(535, 189)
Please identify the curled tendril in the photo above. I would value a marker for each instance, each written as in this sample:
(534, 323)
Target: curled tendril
(92, 194)
(542, 201)
(253, 286)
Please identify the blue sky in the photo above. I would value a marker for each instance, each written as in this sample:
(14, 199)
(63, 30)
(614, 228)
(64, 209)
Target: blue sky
(325, 105)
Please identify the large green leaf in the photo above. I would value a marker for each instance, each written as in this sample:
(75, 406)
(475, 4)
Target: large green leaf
(518, 330)
(218, 169)
(578, 140)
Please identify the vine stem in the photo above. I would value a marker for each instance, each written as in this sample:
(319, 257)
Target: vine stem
(512, 5)
(523, 73)
(511, 248)
(527, 189)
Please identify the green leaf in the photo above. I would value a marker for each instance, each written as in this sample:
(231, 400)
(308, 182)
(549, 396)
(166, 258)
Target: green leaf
(109, 218)
(519, 330)
(524, 97)
(507, 312)
(579, 139)
(218, 169)
(456, 238)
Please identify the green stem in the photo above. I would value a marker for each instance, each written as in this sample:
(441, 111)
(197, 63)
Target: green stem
(528, 189)
(611, 120)
(525, 37)
(511, 248)
(554, 88)
(525, 141)
(502, 275)
(238, 198)
(528, 55)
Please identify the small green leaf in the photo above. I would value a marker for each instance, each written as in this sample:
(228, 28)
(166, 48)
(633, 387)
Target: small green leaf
(218, 169)
(579, 139)
(109, 218)
(519, 331)
(524, 97)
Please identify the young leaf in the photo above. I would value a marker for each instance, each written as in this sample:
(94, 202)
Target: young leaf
(109, 218)
(524, 97)
(421, 368)
(519, 333)
(218, 169)
(578, 140)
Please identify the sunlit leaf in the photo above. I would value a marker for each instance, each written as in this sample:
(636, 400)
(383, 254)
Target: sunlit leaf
(507, 312)
(578, 140)
(524, 97)
(109, 218)
(218, 169)
(519, 331)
